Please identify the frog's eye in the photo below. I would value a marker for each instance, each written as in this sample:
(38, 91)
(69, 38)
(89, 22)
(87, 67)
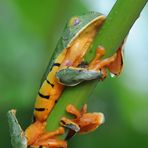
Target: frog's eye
(74, 21)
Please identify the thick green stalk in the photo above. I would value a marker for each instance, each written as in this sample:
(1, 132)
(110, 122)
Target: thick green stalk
(117, 25)
(115, 29)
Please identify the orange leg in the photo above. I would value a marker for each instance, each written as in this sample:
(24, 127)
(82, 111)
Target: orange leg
(87, 122)
(72, 110)
(71, 123)
(35, 135)
(34, 131)
(50, 143)
(113, 63)
(48, 139)
(97, 64)
(100, 52)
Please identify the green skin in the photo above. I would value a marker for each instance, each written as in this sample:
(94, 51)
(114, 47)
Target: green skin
(69, 76)
(72, 76)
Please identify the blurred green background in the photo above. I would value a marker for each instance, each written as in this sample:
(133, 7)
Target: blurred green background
(29, 31)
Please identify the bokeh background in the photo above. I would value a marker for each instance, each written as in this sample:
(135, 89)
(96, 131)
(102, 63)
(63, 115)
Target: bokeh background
(29, 31)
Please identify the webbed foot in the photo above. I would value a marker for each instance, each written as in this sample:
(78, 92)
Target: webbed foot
(83, 122)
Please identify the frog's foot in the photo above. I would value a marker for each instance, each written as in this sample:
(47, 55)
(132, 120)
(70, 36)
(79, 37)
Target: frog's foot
(71, 123)
(117, 66)
(18, 138)
(97, 63)
(87, 122)
(48, 140)
(113, 63)
(100, 52)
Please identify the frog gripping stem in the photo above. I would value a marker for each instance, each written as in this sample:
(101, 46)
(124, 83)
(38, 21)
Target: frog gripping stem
(83, 122)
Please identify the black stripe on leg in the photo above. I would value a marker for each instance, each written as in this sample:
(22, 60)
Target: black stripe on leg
(40, 109)
(55, 64)
(40, 146)
(56, 101)
(52, 85)
(34, 119)
(43, 96)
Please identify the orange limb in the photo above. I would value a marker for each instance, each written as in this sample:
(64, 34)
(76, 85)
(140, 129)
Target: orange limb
(97, 64)
(113, 63)
(34, 131)
(51, 143)
(37, 137)
(87, 122)
(48, 139)
(100, 52)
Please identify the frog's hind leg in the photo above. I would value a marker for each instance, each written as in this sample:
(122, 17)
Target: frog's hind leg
(21, 139)
(49, 139)
(74, 111)
(87, 122)
(50, 143)
(70, 123)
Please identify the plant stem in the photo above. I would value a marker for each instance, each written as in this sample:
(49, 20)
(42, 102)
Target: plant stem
(117, 25)
(111, 35)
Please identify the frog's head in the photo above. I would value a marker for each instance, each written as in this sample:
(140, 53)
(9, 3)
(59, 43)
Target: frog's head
(78, 24)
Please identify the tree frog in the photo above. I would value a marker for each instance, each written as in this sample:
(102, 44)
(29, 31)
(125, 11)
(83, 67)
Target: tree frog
(68, 68)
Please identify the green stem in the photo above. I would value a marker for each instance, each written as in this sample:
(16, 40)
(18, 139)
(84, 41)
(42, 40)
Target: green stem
(115, 29)
(117, 25)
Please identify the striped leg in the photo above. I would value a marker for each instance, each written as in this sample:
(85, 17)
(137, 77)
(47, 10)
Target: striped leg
(48, 139)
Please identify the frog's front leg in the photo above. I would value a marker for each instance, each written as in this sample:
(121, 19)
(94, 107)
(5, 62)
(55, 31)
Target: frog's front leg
(113, 63)
(71, 76)
(87, 122)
